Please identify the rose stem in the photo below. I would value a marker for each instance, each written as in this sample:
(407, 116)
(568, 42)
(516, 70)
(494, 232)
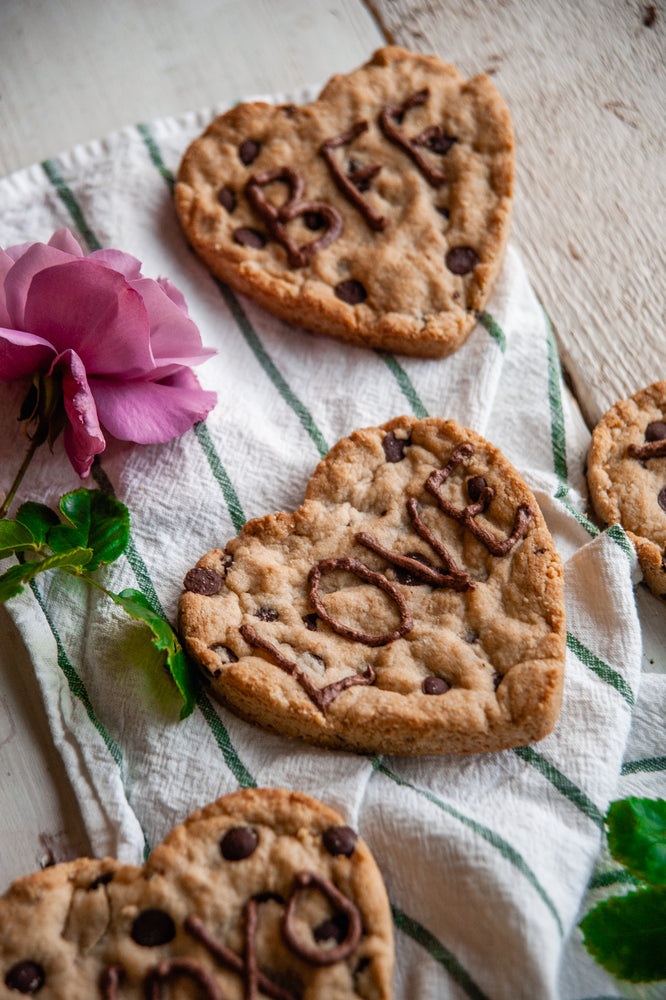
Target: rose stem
(34, 444)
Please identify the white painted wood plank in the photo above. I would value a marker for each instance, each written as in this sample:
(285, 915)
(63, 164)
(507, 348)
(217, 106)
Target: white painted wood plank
(72, 70)
(586, 84)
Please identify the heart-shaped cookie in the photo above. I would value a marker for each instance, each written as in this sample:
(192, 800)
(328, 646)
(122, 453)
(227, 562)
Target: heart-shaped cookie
(413, 604)
(626, 473)
(378, 214)
(264, 893)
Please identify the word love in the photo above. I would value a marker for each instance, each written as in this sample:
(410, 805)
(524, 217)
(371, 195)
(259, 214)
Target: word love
(415, 568)
(353, 184)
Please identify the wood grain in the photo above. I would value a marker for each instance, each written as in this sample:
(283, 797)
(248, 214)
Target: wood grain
(585, 82)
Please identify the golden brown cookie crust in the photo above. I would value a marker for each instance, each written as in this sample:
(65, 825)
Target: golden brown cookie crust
(415, 304)
(625, 488)
(494, 649)
(268, 871)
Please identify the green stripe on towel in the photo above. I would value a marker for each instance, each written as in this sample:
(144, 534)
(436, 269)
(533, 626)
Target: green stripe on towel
(601, 669)
(437, 950)
(564, 785)
(405, 383)
(508, 852)
(493, 328)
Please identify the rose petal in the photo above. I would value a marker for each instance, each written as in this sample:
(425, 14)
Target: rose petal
(173, 336)
(174, 294)
(128, 266)
(151, 412)
(83, 438)
(62, 239)
(32, 260)
(6, 263)
(92, 310)
(22, 354)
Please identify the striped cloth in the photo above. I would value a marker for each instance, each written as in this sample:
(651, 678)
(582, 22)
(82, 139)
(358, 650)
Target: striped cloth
(487, 859)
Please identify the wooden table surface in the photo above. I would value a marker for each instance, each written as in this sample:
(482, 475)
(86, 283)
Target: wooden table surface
(585, 81)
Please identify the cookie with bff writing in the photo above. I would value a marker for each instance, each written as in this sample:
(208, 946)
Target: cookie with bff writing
(412, 605)
(377, 214)
(626, 475)
(264, 893)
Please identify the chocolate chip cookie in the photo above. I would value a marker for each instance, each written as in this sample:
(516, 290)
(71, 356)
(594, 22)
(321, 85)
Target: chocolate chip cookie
(412, 605)
(264, 893)
(626, 474)
(378, 214)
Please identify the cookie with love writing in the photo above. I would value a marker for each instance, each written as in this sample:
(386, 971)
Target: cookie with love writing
(377, 214)
(626, 474)
(413, 604)
(264, 893)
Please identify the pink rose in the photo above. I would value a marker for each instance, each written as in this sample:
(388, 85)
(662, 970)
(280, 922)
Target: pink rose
(114, 347)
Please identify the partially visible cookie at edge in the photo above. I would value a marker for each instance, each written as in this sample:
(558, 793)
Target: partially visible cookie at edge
(264, 893)
(378, 214)
(626, 474)
(413, 604)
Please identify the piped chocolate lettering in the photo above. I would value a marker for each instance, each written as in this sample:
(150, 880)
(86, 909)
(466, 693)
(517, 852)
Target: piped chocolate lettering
(466, 515)
(432, 137)
(351, 185)
(277, 217)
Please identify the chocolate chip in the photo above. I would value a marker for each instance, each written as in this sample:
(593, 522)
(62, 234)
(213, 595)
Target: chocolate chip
(201, 580)
(475, 487)
(406, 578)
(335, 929)
(435, 685)
(249, 237)
(339, 840)
(26, 977)
(656, 431)
(265, 897)
(239, 843)
(153, 927)
(649, 16)
(100, 880)
(461, 260)
(310, 621)
(394, 447)
(227, 198)
(363, 963)
(441, 143)
(314, 220)
(248, 151)
(266, 615)
(225, 654)
(497, 680)
(350, 291)
(661, 499)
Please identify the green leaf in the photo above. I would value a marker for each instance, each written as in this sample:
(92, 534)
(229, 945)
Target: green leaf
(38, 519)
(626, 935)
(164, 639)
(96, 521)
(14, 537)
(76, 509)
(11, 581)
(109, 532)
(637, 837)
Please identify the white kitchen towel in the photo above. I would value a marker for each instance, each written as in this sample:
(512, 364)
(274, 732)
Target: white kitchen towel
(486, 858)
